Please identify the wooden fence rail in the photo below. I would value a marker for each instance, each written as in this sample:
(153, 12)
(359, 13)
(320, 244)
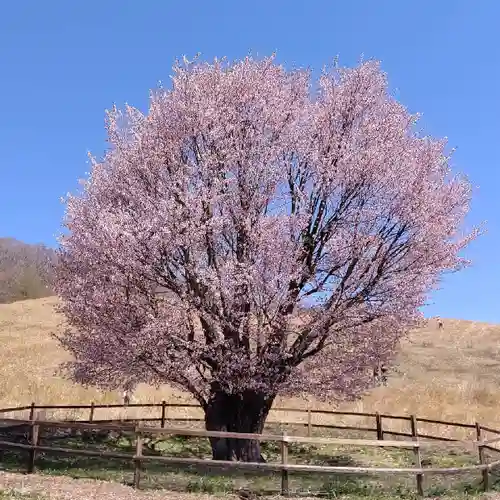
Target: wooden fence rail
(378, 428)
(379, 417)
(14, 409)
(452, 424)
(284, 466)
(415, 442)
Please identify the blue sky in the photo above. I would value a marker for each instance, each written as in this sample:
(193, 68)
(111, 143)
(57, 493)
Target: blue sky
(64, 62)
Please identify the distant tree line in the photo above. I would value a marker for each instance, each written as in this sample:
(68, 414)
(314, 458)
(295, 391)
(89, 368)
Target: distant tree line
(25, 270)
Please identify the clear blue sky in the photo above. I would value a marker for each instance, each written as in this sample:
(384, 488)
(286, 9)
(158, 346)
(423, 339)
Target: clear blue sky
(64, 62)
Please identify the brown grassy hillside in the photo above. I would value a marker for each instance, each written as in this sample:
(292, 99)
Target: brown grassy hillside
(450, 373)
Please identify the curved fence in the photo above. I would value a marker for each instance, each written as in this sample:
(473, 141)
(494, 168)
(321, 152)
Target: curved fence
(31, 422)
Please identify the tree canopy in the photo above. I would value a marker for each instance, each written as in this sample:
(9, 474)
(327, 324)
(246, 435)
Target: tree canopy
(248, 235)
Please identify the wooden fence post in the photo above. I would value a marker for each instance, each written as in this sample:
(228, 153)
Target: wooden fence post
(482, 459)
(34, 436)
(418, 459)
(137, 458)
(91, 414)
(284, 461)
(309, 422)
(32, 411)
(380, 430)
(163, 413)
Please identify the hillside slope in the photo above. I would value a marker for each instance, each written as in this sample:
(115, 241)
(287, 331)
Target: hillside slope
(25, 270)
(450, 373)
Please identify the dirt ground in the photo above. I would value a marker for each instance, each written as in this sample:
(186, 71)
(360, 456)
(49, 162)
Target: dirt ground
(64, 488)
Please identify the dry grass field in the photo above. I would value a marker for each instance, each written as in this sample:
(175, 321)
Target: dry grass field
(450, 373)
(446, 374)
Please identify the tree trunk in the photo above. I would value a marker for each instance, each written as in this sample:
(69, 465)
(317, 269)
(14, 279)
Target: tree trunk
(245, 412)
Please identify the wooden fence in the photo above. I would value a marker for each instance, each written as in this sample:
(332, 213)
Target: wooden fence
(418, 441)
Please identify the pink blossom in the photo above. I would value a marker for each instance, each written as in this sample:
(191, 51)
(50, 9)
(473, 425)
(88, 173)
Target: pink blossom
(238, 201)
